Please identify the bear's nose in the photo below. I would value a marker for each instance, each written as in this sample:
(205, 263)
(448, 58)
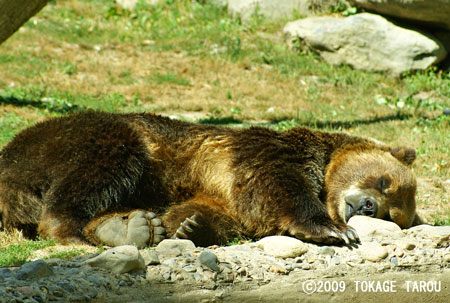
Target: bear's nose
(367, 207)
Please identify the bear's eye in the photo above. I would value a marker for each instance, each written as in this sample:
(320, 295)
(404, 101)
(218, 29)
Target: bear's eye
(383, 183)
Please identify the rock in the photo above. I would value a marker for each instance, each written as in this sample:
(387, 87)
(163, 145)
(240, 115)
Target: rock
(432, 12)
(278, 269)
(407, 245)
(34, 270)
(335, 260)
(120, 259)
(270, 9)
(372, 251)
(190, 268)
(283, 246)
(5, 272)
(326, 250)
(209, 259)
(367, 42)
(368, 227)
(173, 248)
(150, 257)
(444, 37)
(447, 258)
(440, 235)
(398, 252)
(394, 260)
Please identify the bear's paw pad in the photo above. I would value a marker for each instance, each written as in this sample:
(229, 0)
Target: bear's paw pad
(140, 229)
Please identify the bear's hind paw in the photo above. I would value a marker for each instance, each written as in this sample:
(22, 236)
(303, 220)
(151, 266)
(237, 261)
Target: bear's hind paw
(140, 229)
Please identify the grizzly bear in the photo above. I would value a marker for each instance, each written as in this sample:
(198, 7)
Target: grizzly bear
(78, 178)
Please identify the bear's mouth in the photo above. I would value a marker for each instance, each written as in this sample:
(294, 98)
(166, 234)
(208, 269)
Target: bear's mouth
(362, 207)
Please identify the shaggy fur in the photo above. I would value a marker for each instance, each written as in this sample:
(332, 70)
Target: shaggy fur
(60, 175)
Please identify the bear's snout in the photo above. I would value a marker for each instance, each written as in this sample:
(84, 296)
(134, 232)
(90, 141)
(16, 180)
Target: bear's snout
(367, 207)
(364, 207)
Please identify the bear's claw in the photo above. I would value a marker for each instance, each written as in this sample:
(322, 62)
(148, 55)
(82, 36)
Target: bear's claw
(186, 227)
(331, 235)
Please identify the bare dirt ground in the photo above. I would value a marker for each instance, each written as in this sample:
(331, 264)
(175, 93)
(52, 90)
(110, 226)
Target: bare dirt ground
(398, 287)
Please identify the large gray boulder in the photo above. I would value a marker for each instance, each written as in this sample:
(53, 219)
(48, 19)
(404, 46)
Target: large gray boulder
(434, 12)
(271, 9)
(367, 42)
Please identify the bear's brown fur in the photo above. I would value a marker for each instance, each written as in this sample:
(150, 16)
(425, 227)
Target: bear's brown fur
(60, 177)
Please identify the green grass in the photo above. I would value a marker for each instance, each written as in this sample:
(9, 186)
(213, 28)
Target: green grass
(15, 255)
(67, 254)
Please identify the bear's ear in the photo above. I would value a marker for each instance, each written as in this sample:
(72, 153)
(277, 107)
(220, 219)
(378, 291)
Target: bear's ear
(406, 155)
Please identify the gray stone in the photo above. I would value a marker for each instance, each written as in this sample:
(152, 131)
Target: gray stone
(368, 227)
(336, 260)
(172, 263)
(394, 260)
(446, 258)
(440, 235)
(283, 246)
(34, 270)
(372, 251)
(432, 12)
(173, 248)
(150, 256)
(270, 9)
(5, 272)
(209, 259)
(326, 250)
(119, 260)
(354, 259)
(190, 268)
(367, 42)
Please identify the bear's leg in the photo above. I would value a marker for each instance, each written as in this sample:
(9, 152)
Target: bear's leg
(137, 227)
(320, 228)
(310, 221)
(64, 228)
(202, 221)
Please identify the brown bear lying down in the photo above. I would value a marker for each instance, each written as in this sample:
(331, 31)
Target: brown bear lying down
(78, 177)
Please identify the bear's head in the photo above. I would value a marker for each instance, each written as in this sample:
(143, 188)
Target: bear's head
(372, 181)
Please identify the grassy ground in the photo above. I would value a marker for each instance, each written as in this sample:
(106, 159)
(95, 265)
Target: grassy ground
(191, 60)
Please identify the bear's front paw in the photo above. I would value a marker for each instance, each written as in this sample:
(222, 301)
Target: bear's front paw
(187, 228)
(139, 229)
(327, 234)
